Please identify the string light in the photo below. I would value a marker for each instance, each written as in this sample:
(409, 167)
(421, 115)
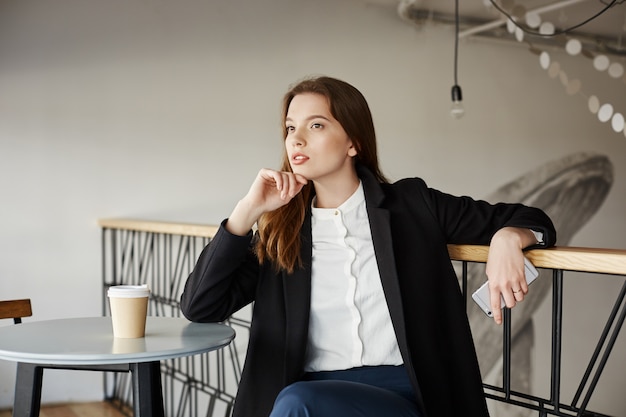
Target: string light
(605, 112)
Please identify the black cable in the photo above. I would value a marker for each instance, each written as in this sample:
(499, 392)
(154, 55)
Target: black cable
(456, 93)
(558, 32)
(456, 39)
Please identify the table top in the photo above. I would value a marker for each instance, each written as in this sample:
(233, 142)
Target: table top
(90, 341)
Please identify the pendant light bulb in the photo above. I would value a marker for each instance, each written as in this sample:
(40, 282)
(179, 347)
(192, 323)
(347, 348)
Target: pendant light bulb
(457, 110)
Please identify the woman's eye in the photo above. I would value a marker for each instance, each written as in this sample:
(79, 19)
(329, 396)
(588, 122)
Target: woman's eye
(289, 129)
(316, 126)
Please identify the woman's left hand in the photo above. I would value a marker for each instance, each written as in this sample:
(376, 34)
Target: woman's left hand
(505, 268)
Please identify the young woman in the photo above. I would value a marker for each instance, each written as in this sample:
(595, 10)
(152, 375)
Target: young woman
(358, 311)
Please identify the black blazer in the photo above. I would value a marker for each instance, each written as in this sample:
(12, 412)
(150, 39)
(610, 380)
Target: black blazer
(411, 225)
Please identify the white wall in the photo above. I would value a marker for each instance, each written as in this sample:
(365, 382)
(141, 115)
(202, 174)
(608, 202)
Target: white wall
(165, 110)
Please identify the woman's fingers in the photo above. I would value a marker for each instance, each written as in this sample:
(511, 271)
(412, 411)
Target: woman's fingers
(295, 184)
(270, 190)
(507, 283)
(281, 184)
(510, 296)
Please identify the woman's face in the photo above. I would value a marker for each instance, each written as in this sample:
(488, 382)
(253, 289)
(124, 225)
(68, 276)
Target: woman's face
(317, 146)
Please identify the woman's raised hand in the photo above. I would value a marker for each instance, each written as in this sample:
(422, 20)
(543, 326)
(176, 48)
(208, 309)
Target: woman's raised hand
(273, 189)
(270, 190)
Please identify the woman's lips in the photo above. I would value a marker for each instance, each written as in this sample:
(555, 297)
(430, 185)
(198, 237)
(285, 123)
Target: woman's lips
(298, 159)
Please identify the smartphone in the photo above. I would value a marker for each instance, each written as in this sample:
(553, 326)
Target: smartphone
(481, 295)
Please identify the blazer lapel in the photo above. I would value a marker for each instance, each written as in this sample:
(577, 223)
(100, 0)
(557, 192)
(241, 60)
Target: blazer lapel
(380, 226)
(381, 236)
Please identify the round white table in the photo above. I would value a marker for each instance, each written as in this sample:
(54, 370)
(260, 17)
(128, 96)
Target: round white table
(88, 344)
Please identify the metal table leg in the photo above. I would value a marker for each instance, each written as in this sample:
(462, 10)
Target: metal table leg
(147, 391)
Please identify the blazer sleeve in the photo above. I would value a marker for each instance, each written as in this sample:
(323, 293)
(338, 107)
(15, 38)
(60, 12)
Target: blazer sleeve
(464, 220)
(223, 279)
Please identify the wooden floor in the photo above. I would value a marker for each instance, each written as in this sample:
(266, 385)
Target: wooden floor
(98, 409)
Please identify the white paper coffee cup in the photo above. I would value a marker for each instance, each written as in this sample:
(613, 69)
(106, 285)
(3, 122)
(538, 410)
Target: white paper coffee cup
(129, 308)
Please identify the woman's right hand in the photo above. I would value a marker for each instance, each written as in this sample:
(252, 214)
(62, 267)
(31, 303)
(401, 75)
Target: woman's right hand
(270, 190)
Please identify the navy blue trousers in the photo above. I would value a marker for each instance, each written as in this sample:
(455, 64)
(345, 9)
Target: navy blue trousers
(373, 391)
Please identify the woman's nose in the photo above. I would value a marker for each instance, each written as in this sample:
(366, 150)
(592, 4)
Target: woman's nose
(296, 139)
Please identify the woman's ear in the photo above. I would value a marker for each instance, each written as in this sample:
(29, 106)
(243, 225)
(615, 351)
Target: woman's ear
(352, 150)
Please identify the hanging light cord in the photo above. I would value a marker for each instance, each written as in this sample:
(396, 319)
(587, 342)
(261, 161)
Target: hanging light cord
(558, 32)
(456, 40)
(457, 111)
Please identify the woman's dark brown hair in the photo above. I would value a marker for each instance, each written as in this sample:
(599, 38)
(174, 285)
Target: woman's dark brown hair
(279, 230)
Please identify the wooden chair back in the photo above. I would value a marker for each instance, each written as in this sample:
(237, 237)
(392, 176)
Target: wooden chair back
(15, 309)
